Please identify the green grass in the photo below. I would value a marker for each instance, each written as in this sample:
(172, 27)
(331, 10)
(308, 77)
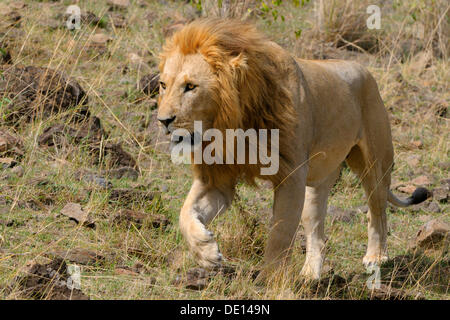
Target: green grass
(39, 228)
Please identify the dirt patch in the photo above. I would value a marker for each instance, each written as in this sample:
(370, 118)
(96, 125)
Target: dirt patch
(88, 130)
(49, 281)
(79, 256)
(31, 91)
(10, 145)
(126, 196)
(198, 278)
(140, 218)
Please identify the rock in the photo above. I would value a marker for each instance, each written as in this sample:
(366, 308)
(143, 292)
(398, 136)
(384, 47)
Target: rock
(18, 170)
(433, 207)
(444, 165)
(49, 281)
(413, 160)
(100, 39)
(118, 4)
(79, 256)
(9, 16)
(130, 216)
(408, 189)
(421, 181)
(123, 172)
(89, 132)
(17, 4)
(74, 212)
(125, 271)
(118, 20)
(127, 196)
(92, 178)
(89, 17)
(37, 91)
(7, 163)
(339, 214)
(118, 156)
(196, 279)
(441, 194)
(138, 218)
(10, 145)
(149, 84)
(431, 234)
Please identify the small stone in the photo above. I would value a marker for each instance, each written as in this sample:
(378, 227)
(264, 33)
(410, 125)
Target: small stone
(417, 143)
(421, 181)
(413, 160)
(100, 38)
(79, 256)
(441, 194)
(432, 233)
(444, 165)
(125, 271)
(433, 207)
(119, 4)
(74, 212)
(18, 170)
(196, 279)
(118, 20)
(407, 189)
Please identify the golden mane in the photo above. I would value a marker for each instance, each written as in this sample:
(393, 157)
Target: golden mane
(249, 91)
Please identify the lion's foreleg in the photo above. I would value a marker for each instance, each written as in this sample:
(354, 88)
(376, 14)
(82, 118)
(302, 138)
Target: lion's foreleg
(287, 210)
(201, 206)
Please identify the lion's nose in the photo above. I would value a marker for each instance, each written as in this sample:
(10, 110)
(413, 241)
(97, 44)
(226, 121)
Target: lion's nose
(167, 121)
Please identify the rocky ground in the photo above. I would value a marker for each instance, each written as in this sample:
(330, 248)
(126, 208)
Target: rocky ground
(86, 181)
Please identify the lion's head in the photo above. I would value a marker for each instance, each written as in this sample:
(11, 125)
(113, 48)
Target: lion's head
(225, 74)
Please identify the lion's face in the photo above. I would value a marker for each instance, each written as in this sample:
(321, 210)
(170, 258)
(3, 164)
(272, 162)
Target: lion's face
(186, 93)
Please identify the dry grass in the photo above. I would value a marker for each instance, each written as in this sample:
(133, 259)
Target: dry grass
(412, 71)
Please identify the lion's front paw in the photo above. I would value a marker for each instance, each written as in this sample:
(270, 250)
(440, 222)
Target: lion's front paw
(369, 260)
(209, 256)
(310, 272)
(206, 251)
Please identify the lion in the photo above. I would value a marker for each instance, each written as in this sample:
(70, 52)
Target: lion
(228, 75)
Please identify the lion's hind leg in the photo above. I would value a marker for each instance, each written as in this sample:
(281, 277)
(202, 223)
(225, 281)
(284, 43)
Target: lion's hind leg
(313, 219)
(375, 174)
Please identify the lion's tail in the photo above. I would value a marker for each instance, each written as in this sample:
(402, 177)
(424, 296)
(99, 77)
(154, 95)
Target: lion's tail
(419, 195)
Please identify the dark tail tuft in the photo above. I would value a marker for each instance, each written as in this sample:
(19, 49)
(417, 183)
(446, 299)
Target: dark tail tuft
(419, 195)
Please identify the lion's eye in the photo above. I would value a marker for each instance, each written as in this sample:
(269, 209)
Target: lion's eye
(163, 85)
(190, 87)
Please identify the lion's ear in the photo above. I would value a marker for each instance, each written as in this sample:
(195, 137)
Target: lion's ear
(239, 65)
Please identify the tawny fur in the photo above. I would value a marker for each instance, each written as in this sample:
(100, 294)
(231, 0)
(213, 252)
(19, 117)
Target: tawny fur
(327, 112)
